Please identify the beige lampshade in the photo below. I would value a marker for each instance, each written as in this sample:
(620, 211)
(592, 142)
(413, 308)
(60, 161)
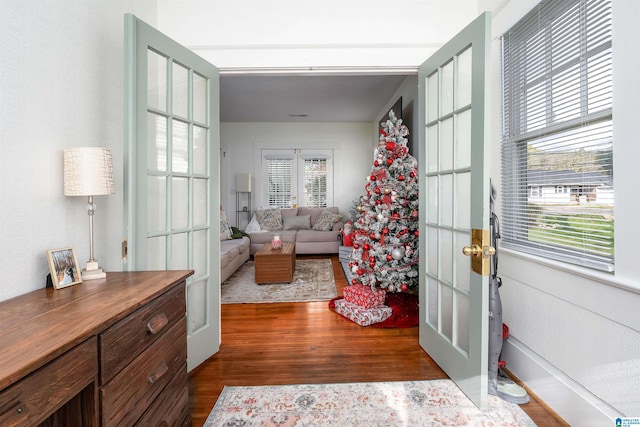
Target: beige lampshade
(88, 171)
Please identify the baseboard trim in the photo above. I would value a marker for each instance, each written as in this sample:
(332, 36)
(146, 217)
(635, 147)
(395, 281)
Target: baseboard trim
(572, 402)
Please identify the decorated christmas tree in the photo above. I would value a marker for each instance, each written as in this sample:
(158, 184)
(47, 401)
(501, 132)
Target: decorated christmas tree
(385, 246)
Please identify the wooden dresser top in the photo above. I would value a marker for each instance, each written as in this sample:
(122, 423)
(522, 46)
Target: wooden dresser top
(37, 327)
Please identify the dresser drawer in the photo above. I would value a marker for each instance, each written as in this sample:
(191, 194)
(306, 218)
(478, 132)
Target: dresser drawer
(171, 408)
(126, 397)
(32, 399)
(125, 340)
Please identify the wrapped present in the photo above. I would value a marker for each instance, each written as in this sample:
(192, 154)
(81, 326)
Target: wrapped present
(364, 296)
(360, 315)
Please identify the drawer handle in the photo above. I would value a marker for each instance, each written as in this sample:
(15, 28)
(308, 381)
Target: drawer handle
(160, 371)
(156, 323)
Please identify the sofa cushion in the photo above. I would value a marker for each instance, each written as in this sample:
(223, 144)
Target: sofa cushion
(269, 219)
(228, 255)
(265, 237)
(300, 222)
(312, 236)
(326, 220)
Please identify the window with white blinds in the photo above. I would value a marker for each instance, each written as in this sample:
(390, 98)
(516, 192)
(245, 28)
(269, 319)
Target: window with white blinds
(297, 178)
(557, 140)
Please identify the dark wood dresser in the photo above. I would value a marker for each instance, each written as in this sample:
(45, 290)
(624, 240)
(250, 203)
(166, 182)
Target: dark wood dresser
(108, 352)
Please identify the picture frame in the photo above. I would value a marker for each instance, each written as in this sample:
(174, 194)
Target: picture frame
(64, 267)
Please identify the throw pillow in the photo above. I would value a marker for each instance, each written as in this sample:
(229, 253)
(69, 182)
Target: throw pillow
(253, 226)
(326, 220)
(225, 228)
(302, 222)
(269, 219)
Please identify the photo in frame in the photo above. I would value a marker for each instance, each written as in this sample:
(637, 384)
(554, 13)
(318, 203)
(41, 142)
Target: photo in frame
(64, 267)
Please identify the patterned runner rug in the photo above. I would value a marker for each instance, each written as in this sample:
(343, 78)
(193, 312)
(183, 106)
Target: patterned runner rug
(312, 281)
(410, 403)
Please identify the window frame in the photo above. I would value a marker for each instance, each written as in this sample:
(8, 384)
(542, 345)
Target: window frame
(517, 132)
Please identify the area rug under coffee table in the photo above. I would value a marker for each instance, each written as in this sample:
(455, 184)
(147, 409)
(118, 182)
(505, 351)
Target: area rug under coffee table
(312, 281)
(408, 403)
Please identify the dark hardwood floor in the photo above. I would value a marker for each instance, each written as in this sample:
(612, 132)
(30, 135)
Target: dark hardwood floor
(295, 343)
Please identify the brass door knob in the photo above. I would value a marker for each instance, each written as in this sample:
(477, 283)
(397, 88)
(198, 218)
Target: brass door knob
(475, 250)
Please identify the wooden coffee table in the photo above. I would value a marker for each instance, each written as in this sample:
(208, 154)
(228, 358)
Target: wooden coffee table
(275, 265)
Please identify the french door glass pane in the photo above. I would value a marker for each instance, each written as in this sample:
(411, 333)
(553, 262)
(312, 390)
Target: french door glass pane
(432, 301)
(199, 150)
(463, 140)
(446, 89)
(446, 144)
(180, 147)
(432, 148)
(446, 200)
(179, 251)
(179, 203)
(199, 99)
(156, 81)
(432, 197)
(463, 267)
(197, 295)
(156, 142)
(432, 248)
(446, 311)
(446, 256)
(463, 306)
(463, 197)
(180, 91)
(432, 97)
(200, 253)
(200, 190)
(156, 202)
(463, 90)
(156, 253)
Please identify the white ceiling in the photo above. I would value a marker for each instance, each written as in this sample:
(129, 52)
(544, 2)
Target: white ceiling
(263, 98)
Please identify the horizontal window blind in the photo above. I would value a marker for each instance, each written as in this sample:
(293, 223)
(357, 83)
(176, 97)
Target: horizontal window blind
(316, 178)
(557, 139)
(297, 177)
(278, 181)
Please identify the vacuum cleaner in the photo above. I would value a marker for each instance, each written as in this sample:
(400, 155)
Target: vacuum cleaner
(499, 384)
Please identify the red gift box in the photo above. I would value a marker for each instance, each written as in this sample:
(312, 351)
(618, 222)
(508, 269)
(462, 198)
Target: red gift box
(360, 315)
(364, 296)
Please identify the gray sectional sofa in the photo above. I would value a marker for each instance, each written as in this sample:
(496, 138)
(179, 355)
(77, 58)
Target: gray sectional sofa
(233, 253)
(298, 226)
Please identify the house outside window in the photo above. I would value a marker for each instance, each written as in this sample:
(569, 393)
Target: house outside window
(557, 140)
(297, 177)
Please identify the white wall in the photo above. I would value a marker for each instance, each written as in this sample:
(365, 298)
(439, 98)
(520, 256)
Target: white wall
(328, 33)
(61, 85)
(352, 151)
(575, 337)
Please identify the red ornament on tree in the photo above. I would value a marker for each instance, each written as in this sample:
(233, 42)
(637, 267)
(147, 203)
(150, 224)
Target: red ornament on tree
(390, 145)
(400, 177)
(360, 272)
(372, 177)
(376, 190)
(389, 161)
(389, 257)
(416, 233)
(375, 163)
(354, 281)
(412, 174)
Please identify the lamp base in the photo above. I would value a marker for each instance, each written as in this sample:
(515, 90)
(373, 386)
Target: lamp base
(92, 271)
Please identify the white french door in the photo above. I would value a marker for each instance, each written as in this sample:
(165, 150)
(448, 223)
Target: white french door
(172, 173)
(454, 193)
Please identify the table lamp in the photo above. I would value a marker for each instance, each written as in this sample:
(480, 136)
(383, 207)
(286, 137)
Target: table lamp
(88, 171)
